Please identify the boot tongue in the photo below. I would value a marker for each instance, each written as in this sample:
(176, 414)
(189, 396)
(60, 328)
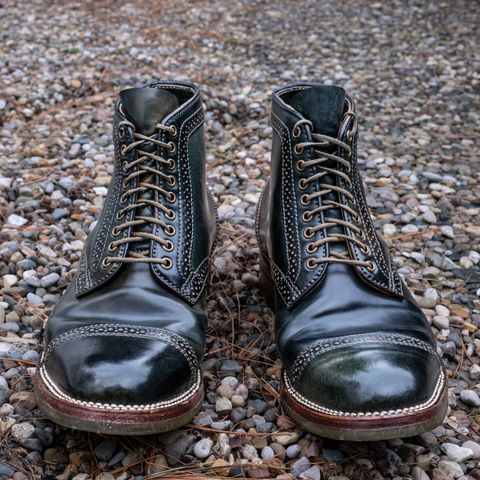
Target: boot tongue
(146, 107)
(323, 105)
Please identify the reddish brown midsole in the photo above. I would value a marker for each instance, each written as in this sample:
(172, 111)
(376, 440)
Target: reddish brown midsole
(364, 422)
(122, 417)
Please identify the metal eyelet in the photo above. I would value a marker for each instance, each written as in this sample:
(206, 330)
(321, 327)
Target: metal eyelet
(349, 168)
(305, 200)
(311, 248)
(123, 150)
(173, 131)
(365, 250)
(106, 262)
(116, 231)
(167, 263)
(296, 132)
(125, 166)
(361, 235)
(349, 135)
(301, 165)
(303, 184)
(356, 217)
(353, 201)
(171, 180)
(170, 215)
(121, 132)
(307, 216)
(371, 266)
(171, 147)
(170, 230)
(298, 149)
(171, 164)
(171, 197)
(168, 246)
(123, 198)
(125, 183)
(111, 247)
(120, 214)
(308, 233)
(311, 264)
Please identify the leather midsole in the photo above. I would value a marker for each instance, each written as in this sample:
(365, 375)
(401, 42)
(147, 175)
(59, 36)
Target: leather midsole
(366, 422)
(113, 416)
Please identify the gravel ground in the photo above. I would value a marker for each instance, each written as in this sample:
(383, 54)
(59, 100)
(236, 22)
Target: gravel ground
(413, 70)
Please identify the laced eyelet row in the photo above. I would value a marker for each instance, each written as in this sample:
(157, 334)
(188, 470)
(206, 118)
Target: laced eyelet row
(171, 197)
(303, 184)
(308, 233)
(306, 199)
(296, 132)
(166, 262)
(298, 149)
(311, 264)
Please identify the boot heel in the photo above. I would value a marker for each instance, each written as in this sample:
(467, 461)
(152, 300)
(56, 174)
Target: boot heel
(266, 281)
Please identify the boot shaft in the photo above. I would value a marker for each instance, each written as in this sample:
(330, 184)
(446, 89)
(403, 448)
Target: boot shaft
(158, 210)
(316, 194)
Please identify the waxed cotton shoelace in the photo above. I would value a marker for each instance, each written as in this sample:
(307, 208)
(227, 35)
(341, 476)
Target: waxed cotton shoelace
(320, 141)
(144, 160)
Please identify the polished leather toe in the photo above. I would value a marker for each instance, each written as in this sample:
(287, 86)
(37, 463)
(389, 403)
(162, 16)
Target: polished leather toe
(119, 369)
(370, 378)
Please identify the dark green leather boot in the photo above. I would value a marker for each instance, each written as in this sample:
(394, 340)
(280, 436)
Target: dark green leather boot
(359, 358)
(124, 344)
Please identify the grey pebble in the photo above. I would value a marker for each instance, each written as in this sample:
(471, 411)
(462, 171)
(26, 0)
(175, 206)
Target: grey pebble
(49, 280)
(105, 450)
(470, 398)
(59, 213)
(332, 455)
(203, 448)
(9, 327)
(267, 453)
(456, 453)
(31, 356)
(223, 405)
(6, 471)
(230, 366)
(237, 414)
(232, 382)
(265, 427)
(293, 450)
(313, 473)
(300, 466)
(22, 430)
(34, 299)
(223, 425)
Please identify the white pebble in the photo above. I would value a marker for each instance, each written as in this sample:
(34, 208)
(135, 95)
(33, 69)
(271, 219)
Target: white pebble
(203, 448)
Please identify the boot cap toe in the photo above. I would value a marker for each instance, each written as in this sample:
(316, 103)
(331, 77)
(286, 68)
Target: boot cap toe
(120, 365)
(365, 377)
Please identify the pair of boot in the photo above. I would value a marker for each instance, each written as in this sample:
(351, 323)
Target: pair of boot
(124, 345)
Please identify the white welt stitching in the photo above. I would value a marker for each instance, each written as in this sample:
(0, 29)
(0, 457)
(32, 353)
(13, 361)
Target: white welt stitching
(407, 410)
(55, 390)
